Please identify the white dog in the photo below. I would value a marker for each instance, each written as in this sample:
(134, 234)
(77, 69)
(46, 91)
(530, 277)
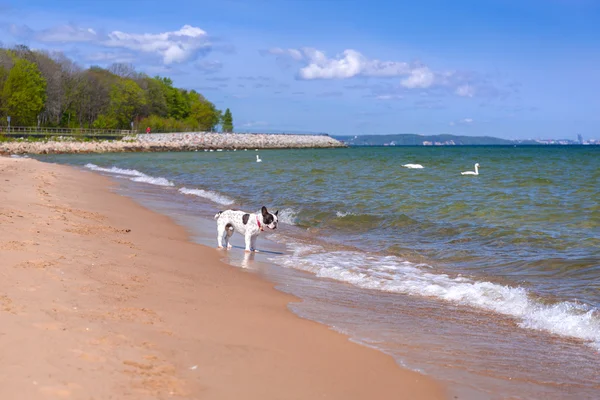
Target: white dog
(249, 225)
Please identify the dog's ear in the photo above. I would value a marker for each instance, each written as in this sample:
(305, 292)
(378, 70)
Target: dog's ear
(276, 212)
(263, 210)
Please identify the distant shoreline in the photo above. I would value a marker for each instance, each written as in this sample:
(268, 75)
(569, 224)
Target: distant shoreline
(410, 139)
(480, 145)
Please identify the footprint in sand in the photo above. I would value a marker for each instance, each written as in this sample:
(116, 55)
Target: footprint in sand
(62, 391)
(48, 326)
(155, 376)
(37, 264)
(86, 356)
(16, 245)
(6, 304)
(88, 230)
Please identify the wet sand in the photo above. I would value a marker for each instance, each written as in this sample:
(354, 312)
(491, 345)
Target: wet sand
(101, 298)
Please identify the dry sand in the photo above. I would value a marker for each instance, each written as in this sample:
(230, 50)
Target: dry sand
(101, 298)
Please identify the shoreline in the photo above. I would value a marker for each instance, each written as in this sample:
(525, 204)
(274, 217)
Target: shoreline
(160, 142)
(94, 281)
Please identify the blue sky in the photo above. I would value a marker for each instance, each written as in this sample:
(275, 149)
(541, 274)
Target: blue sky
(505, 68)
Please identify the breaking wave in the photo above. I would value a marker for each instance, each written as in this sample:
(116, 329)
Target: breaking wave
(208, 194)
(393, 274)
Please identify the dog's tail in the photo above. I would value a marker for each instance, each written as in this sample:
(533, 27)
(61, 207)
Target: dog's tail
(217, 215)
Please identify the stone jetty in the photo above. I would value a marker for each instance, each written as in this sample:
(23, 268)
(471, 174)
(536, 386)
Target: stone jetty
(170, 142)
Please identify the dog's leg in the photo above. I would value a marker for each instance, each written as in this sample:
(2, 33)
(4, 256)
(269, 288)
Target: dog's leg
(228, 234)
(226, 239)
(220, 234)
(248, 238)
(253, 243)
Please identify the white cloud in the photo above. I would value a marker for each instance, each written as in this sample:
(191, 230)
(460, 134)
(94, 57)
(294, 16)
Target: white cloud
(465, 91)
(320, 67)
(293, 53)
(110, 57)
(67, 33)
(388, 97)
(174, 47)
(419, 78)
(251, 124)
(464, 121)
(349, 64)
(315, 64)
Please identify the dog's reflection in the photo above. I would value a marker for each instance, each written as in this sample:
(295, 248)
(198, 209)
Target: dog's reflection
(248, 260)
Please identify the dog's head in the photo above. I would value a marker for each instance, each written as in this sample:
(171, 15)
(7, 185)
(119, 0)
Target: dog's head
(270, 220)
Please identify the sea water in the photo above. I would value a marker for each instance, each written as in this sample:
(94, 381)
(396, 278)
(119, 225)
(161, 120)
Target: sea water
(489, 282)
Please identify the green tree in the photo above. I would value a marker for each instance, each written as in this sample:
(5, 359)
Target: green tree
(3, 76)
(227, 121)
(92, 95)
(42, 84)
(126, 102)
(24, 93)
(105, 122)
(203, 111)
(177, 103)
(156, 95)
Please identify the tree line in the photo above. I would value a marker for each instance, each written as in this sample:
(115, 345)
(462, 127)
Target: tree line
(39, 88)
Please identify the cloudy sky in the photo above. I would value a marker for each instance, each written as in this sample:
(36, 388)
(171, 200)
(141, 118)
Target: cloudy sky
(505, 68)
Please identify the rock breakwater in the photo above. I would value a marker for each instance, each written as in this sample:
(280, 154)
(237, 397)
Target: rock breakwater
(169, 142)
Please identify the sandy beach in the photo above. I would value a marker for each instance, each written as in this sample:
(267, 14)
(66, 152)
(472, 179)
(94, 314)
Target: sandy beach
(101, 298)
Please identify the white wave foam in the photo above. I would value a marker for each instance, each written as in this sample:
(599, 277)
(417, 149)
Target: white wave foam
(208, 194)
(134, 175)
(115, 170)
(392, 274)
(342, 214)
(287, 216)
(153, 181)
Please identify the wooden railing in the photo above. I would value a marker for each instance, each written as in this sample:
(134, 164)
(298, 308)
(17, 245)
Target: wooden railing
(45, 131)
(33, 131)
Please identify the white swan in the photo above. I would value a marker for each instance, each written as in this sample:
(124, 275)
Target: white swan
(258, 158)
(476, 172)
(413, 166)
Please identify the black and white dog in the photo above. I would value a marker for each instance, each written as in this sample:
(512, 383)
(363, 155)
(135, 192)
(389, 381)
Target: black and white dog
(249, 225)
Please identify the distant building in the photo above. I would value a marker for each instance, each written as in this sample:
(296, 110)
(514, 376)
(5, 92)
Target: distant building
(580, 139)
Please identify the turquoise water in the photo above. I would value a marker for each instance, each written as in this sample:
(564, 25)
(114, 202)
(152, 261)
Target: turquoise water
(520, 242)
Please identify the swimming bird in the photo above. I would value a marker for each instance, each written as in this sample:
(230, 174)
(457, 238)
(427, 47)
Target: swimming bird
(413, 166)
(258, 158)
(476, 172)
